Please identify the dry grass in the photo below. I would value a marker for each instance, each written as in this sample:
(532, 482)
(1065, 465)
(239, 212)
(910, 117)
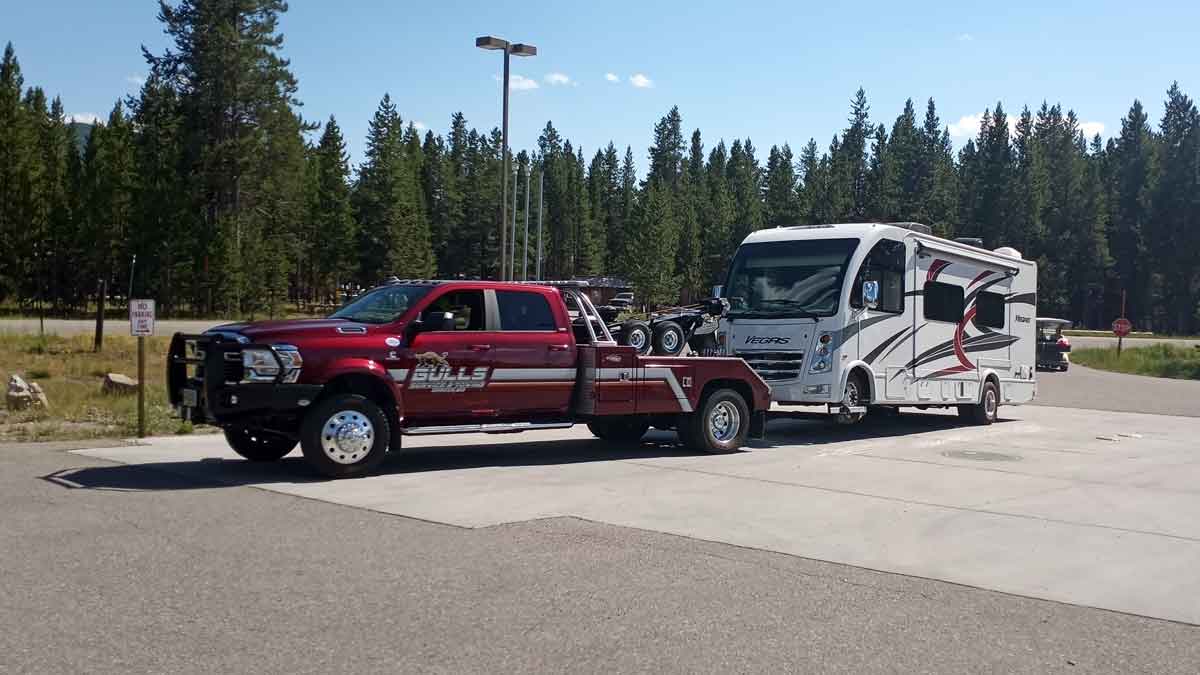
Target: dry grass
(71, 376)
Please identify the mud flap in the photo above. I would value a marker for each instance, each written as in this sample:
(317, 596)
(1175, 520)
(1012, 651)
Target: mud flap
(758, 425)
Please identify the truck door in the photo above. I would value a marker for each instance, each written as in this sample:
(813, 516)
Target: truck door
(445, 373)
(533, 356)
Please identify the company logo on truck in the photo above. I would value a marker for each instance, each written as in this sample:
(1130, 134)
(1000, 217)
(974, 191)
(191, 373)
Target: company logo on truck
(435, 373)
(767, 340)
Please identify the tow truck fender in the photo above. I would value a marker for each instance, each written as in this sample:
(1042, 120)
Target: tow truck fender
(365, 367)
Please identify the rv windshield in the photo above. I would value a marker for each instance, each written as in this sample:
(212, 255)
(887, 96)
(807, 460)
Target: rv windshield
(788, 278)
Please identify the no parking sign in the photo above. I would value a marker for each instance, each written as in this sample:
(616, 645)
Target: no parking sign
(141, 318)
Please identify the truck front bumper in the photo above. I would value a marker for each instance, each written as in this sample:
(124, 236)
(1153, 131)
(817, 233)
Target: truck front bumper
(204, 384)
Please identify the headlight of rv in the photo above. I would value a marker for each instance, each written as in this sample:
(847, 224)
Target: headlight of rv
(823, 362)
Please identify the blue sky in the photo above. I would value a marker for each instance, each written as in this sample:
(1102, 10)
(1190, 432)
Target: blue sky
(773, 71)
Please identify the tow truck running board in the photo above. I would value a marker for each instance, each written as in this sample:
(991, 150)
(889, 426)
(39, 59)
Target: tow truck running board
(504, 428)
(853, 410)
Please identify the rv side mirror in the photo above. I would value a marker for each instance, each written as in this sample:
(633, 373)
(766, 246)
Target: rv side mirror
(717, 291)
(870, 293)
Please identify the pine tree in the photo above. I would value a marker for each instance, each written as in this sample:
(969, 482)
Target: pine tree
(881, 185)
(334, 248)
(1175, 233)
(781, 205)
(906, 154)
(718, 220)
(746, 189)
(666, 154)
(17, 158)
(650, 257)
(233, 81)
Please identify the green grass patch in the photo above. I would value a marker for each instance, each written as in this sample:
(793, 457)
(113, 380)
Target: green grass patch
(71, 376)
(1162, 360)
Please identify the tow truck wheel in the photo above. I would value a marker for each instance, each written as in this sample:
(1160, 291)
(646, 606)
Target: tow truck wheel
(257, 445)
(720, 426)
(345, 436)
(985, 411)
(668, 338)
(621, 430)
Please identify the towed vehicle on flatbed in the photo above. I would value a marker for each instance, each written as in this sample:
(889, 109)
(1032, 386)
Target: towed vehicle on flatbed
(439, 357)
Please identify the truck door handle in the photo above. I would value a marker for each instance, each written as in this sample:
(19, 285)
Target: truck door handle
(480, 348)
(559, 348)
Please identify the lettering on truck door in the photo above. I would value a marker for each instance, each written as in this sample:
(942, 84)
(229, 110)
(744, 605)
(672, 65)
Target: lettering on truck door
(445, 373)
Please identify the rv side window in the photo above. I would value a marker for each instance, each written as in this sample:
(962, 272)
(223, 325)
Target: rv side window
(885, 264)
(989, 310)
(943, 302)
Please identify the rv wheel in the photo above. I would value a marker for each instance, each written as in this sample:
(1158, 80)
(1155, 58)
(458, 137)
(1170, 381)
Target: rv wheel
(986, 410)
(856, 396)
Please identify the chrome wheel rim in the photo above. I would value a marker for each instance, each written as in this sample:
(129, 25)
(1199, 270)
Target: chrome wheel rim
(724, 421)
(670, 341)
(989, 402)
(347, 437)
(637, 339)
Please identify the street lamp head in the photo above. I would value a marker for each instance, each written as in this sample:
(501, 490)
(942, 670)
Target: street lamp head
(523, 50)
(490, 42)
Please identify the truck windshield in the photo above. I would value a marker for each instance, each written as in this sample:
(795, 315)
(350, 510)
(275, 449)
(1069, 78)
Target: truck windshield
(788, 278)
(381, 305)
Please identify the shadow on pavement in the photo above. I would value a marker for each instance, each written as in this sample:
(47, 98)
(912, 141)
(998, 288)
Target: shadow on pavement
(784, 429)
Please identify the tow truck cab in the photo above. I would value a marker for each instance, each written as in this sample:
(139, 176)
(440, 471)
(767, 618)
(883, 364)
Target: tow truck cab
(428, 357)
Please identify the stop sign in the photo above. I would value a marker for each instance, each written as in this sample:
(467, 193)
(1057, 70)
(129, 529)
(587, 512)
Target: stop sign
(1121, 327)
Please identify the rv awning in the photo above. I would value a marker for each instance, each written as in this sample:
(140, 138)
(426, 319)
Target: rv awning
(985, 258)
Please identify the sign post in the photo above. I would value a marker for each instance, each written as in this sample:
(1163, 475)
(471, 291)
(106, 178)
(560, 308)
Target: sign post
(141, 325)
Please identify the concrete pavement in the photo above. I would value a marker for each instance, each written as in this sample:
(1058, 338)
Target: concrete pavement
(1090, 508)
(111, 568)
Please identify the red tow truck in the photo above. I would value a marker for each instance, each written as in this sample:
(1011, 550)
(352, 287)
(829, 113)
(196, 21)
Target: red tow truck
(437, 357)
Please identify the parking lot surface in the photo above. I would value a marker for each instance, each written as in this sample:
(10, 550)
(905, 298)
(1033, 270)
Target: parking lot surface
(1084, 507)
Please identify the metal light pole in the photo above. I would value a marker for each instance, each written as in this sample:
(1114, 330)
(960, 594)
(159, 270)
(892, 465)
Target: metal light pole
(493, 43)
(512, 254)
(525, 241)
(541, 194)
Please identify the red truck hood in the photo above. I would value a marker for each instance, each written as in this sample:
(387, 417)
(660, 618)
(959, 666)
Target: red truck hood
(259, 331)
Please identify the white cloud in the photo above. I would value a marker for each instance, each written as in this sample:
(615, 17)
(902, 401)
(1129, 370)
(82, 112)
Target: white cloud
(963, 37)
(419, 125)
(612, 77)
(1090, 129)
(557, 79)
(641, 81)
(518, 82)
(968, 126)
(84, 118)
(136, 80)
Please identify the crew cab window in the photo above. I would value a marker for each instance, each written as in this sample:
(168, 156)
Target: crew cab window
(989, 310)
(466, 306)
(520, 310)
(885, 264)
(943, 302)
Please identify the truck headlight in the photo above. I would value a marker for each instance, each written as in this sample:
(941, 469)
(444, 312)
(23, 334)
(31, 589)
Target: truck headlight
(292, 362)
(265, 365)
(821, 364)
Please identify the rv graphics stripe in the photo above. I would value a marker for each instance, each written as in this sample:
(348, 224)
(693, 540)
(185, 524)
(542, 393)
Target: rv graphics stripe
(935, 268)
(851, 330)
(1022, 299)
(874, 354)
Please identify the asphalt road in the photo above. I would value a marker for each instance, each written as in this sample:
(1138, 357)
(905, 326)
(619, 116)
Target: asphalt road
(1082, 387)
(68, 327)
(110, 568)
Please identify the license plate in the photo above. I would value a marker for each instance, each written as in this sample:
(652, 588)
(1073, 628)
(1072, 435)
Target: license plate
(191, 398)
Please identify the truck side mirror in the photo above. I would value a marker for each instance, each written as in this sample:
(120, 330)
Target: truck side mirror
(870, 293)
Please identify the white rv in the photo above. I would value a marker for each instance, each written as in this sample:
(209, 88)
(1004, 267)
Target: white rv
(869, 314)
